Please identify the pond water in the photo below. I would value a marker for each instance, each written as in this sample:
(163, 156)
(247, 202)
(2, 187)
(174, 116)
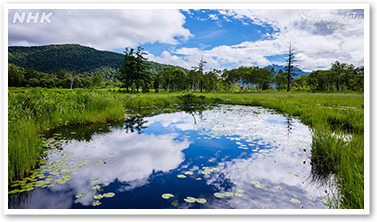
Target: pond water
(212, 157)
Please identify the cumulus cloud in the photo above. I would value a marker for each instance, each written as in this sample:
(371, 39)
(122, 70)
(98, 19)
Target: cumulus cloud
(101, 29)
(316, 45)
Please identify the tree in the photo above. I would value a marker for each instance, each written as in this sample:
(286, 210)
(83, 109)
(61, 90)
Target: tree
(86, 81)
(179, 79)
(14, 75)
(194, 75)
(71, 76)
(290, 59)
(338, 70)
(200, 69)
(97, 80)
(158, 81)
(281, 80)
(167, 75)
(133, 68)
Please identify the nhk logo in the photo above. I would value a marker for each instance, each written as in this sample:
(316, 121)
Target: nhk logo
(37, 17)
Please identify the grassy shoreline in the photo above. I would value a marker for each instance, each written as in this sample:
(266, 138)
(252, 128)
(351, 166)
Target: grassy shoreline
(332, 116)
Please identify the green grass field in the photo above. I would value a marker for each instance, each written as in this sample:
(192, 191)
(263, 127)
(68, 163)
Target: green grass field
(334, 117)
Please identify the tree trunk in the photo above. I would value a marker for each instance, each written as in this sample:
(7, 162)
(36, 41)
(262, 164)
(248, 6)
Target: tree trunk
(193, 86)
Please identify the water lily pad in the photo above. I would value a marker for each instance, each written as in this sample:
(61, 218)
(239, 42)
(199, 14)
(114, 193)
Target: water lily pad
(167, 195)
(311, 198)
(238, 194)
(175, 203)
(254, 182)
(96, 203)
(239, 191)
(95, 187)
(189, 173)
(94, 178)
(228, 194)
(198, 178)
(295, 201)
(278, 187)
(298, 175)
(87, 155)
(181, 176)
(97, 197)
(324, 201)
(219, 195)
(190, 199)
(201, 200)
(80, 195)
(111, 153)
(14, 191)
(259, 185)
(239, 169)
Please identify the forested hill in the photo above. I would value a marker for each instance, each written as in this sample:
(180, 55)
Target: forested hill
(68, 57)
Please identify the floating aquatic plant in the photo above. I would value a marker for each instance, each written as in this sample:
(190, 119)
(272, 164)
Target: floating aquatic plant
(324, 201)
(310, 198)
(97, 203)
(240, 191)
(97, 197)
(190, 199)
(239, 169)
(95, 187)
(295, 201)
(254, 182)
(181, 176)
(219, 195)
(189, 173)
(94, 178)
(201, 200)
(80, 195)
(278, 187)
(238, 194)
(167, 195)
(259, 185)
(111, 153)
(228, 194)
(175, 203)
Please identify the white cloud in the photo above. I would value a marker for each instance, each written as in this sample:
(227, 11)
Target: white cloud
(213, 17)
(110, 29)
(315, 46)
(102, 29)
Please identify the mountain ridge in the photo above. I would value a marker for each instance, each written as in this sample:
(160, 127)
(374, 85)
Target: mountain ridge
(298, 71)
(83, 60)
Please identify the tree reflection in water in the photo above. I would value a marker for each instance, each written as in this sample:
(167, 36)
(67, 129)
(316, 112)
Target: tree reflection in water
(135, 123)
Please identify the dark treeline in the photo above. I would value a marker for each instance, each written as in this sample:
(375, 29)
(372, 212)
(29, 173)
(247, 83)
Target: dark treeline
(20, 77)
(86, 61)
(340, 77)
(136, 74)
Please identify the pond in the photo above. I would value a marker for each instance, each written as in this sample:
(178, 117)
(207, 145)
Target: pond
(210, 157)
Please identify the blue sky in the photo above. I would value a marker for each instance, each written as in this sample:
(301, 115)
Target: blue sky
(226, 38)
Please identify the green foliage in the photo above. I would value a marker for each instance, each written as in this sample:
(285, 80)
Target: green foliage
(86, 61)
(133, 70)
(97, 80)
(36, 110)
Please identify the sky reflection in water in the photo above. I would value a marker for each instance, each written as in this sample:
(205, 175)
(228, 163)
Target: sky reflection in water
(245, 143)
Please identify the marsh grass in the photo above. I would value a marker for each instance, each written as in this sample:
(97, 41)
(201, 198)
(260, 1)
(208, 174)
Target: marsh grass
(38, 110)
(330, 115)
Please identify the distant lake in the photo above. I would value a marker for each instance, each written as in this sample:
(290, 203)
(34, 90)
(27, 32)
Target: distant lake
(210, 157)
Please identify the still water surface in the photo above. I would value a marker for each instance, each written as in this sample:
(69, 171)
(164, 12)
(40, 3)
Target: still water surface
(225, 156)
